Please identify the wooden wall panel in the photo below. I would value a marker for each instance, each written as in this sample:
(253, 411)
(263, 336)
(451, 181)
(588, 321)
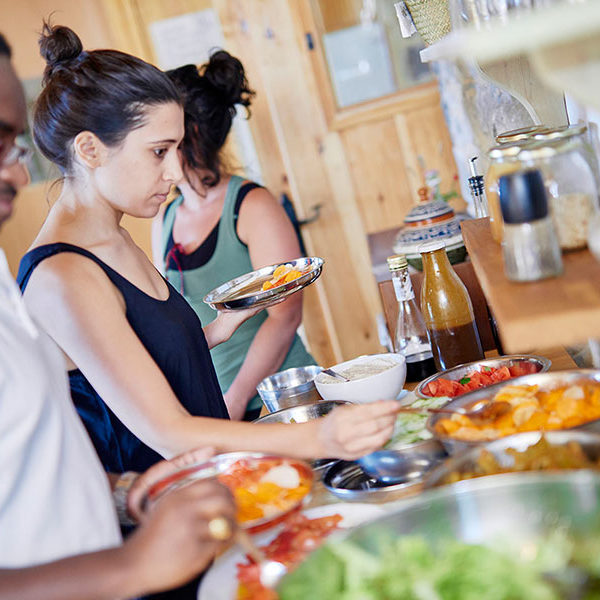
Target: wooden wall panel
(379, 174)
(302, 131)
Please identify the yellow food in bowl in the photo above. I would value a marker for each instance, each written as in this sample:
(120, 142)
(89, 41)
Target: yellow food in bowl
(531, 410)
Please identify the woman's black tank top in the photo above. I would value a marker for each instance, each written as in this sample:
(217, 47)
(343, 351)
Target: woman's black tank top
(172, 333)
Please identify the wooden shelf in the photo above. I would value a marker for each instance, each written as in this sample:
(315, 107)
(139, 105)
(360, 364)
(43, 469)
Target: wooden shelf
(518, 34)
(560, 311)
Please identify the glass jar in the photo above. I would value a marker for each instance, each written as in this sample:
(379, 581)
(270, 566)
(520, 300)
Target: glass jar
(571, 185)
(503, 160)
(518, 135)
(580, 136)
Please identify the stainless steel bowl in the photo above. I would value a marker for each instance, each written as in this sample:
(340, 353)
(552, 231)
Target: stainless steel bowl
(302, 413)
(348, 481)
(289, 388)
(467, 462)
(509, 360)
(545, 381)
(514, 510)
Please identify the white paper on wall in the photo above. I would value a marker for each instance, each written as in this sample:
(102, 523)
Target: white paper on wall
(189, 39)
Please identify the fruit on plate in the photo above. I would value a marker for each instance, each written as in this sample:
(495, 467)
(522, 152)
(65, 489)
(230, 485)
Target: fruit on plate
(282, 274)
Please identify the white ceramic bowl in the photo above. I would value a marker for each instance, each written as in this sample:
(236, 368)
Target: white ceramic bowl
(381, 386)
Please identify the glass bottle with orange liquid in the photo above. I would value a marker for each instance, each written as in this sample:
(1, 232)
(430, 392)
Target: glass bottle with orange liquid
(447, 310)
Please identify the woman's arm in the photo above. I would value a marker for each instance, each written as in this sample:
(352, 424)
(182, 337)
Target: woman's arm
(74, 301)
(265, 228)
(176, 526)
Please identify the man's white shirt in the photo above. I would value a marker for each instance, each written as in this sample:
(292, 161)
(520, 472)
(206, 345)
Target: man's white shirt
(55, 499)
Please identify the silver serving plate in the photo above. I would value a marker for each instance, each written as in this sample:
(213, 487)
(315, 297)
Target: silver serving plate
(245, 291)
(466, 462)
(545, 381)
(509, 360)
(513, 510)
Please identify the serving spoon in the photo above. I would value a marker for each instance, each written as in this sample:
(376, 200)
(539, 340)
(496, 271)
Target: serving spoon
(332, 373)
(488, 411)
(271, 571)
(391, 467)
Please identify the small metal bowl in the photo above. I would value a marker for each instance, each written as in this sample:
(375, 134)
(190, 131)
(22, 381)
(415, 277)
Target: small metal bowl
(288, 388)
(545, 381)
(347, 480)
(509, 360)
(467, 462)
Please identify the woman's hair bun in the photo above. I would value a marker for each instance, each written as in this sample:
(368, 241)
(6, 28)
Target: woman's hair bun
(59, 46)
(226, 74)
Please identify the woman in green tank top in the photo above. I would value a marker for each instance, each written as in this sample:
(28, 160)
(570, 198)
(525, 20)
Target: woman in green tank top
(220, 227)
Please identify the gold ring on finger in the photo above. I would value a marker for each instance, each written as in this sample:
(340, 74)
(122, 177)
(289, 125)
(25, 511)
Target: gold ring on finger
(219, 529)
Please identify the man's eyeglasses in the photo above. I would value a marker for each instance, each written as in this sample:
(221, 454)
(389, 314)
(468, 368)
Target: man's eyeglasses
(19, 152)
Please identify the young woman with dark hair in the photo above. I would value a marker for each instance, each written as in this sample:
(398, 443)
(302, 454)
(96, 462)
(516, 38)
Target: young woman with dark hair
(222, 226)
(140, 369)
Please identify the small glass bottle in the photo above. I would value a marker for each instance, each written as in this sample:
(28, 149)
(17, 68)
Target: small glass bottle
(411, 338)
(447, 310)
(530, 245)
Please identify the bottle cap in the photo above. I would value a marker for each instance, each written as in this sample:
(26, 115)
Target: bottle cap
(396, 262)
(523, 197)
(431, 246)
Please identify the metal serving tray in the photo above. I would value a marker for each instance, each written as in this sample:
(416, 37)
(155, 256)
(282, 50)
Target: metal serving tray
(245, 291)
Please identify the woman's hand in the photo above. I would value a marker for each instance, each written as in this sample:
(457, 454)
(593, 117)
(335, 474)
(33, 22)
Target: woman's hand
(350, 432)
(225, 324)
(235, 407)
(140, 487)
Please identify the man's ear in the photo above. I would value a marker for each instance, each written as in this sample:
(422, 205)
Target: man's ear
(89, 149)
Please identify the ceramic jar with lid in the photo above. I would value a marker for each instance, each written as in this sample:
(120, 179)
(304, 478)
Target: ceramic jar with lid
(571, 185)
(430, 220)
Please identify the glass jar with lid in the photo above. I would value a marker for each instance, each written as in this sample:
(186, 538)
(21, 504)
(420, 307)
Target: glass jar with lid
(580, 136)
(571, 185)
(503, 160)
(518, 135)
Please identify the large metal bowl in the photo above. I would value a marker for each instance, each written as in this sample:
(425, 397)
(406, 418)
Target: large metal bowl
(302, 413)
(467, 462)
(512, 511)
(509, 360)
(289, 388)
(246, 291)
(545, 381)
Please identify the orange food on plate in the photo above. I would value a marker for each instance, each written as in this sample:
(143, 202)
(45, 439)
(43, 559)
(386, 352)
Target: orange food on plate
(265, 488)
(477, 379)
(299, 537)
(531, 409)
(282, 274)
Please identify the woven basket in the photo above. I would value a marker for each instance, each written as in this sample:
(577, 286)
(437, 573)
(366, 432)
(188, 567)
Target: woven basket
(431, 18)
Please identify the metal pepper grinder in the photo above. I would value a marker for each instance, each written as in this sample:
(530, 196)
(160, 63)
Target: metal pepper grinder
(530, 245)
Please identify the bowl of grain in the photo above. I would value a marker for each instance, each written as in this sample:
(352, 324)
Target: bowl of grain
(372, 377)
